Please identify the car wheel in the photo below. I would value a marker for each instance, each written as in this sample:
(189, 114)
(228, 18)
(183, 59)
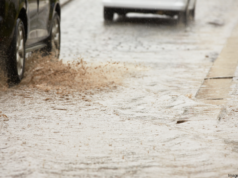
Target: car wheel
(16, 58)
(183, 17)
(108, 14)
(53, 44)
(192, 14)
(122, 15)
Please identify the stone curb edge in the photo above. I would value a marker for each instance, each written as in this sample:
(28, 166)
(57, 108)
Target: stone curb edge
(216, 87)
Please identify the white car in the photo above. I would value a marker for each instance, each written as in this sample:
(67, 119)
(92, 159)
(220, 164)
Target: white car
(185, 9)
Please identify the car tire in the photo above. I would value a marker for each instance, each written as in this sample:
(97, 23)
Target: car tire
(192, 14)
(183, 17)
(15, 63)
(54, 41)
(108, 14)
(122, 15)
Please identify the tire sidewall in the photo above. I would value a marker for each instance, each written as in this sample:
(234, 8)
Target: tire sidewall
(11, 62)
(184, 17)
(108, 14)
(193, 12)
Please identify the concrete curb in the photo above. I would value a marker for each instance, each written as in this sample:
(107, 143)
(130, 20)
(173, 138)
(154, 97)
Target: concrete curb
(216, 87)
(64, 2)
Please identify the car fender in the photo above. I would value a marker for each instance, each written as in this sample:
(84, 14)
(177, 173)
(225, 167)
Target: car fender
(14, 14)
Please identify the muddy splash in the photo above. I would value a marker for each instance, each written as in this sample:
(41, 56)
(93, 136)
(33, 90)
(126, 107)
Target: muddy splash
(3, 78)
(3, 115)
(48, 73)
(3, 81)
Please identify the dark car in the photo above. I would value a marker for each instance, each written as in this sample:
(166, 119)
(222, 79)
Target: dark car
(26, 26)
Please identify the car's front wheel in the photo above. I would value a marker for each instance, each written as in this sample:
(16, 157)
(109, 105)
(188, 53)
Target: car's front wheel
(108, 14)
(16, 54)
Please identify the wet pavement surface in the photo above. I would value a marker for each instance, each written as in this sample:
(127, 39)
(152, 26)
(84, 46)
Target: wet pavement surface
(145, 123)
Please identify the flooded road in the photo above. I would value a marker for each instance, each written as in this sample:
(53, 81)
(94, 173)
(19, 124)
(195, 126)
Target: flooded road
(128, 108)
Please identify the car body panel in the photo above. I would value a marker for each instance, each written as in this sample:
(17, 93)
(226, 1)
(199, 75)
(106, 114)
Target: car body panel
(45, 9)
(43, 18)
(32, 14)
(167, 5)
(38, 13)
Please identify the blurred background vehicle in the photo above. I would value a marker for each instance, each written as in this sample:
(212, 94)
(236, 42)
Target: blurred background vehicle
(184, 9)
(27, 26)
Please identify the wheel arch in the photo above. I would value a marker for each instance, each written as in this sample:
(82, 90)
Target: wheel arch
(23, 16)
